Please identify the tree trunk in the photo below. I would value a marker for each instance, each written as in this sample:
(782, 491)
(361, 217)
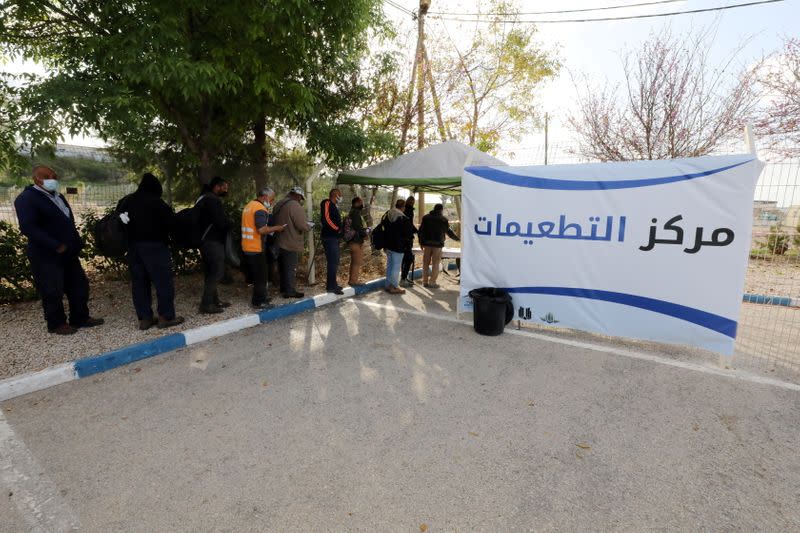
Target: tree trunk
(205, 171)
(260, 152)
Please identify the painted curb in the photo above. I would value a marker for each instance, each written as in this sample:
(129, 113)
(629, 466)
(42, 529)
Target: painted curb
(81, 368)
(783, 301)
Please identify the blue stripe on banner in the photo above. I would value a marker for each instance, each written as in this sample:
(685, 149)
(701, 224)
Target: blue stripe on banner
(533, 182)
(717, 323)
(129, 354)
(286, 310)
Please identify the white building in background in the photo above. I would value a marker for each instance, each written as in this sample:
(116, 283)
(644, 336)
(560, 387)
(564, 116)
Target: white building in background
(72, 151)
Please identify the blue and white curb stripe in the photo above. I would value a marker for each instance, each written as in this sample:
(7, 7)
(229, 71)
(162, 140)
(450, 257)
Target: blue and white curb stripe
(81, 368)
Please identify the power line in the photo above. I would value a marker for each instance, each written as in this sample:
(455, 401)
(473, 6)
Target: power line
(398, 6)
(604, 19)
(559, 11)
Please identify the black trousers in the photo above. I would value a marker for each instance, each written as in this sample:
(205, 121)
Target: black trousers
(213, 255)
(54, 277)
(408, 261)
(331, 247)
(287, 261)
(150, 264)
(257, 265)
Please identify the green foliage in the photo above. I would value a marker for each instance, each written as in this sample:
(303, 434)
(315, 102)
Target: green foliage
(490, 82)
(777, 242)
(186, 81)
(16, 280)
(9, 118)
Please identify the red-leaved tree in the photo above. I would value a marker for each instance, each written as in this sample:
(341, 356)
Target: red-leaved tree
(672, 102)
(780, 120)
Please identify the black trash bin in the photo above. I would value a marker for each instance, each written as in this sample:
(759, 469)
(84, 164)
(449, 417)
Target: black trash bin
(492, 310)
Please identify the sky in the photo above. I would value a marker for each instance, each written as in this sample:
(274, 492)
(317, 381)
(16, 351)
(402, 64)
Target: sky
(594, 48)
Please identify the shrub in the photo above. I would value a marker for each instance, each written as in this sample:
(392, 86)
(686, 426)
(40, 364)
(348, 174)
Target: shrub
(778, 240)
(16, 279)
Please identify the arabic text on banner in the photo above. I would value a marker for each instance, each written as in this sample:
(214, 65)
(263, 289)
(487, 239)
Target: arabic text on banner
(653, 250)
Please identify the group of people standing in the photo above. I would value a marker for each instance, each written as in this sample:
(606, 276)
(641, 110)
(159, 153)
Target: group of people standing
(272, 241)
(399, 230)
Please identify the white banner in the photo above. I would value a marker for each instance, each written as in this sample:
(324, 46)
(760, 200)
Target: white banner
(652, 250)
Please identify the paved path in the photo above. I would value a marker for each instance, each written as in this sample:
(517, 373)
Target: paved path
(361, 417)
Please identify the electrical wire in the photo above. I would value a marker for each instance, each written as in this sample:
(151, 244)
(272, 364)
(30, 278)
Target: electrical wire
(604, 19)
(559, 11)
(398, 6)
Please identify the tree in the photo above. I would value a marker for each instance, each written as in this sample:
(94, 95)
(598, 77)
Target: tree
(191, 77)
(10, 158)
(672, 103)
(780, 120)
(488, 87)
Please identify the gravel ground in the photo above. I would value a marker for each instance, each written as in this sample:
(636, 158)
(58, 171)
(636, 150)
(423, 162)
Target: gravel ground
(27, 347)
(773, 276)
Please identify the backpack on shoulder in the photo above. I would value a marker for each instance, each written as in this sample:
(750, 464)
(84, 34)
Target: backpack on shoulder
(111, 236)
(378, 235)
(187, 231)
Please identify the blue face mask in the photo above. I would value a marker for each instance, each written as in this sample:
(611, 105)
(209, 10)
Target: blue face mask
(50, 185)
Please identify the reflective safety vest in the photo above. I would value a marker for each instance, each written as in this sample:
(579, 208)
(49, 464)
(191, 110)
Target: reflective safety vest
(251, 239)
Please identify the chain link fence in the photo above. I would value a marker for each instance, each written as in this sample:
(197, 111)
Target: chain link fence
(83, 198)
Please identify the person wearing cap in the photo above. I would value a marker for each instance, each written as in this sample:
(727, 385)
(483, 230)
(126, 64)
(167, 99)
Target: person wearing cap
(54, 245)
(212, 250)
(289, 212)
(255, 227)
(331, 233)
(432, 233)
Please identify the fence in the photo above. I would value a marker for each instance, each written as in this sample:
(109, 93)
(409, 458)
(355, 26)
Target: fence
(91, 197)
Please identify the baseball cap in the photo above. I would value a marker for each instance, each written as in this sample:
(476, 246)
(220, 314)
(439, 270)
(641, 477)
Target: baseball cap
(298, 190)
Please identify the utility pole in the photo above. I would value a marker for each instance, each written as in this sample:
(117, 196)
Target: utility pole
(424, 5)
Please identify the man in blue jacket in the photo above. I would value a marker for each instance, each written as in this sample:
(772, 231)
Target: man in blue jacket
(54, 244)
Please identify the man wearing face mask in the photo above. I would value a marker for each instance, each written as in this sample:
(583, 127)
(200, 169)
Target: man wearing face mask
(46, 219)
(331, 233)
(255, 228)
(212, 250)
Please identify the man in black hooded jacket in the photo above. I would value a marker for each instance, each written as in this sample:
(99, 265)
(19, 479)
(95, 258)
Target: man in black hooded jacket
(149, 222)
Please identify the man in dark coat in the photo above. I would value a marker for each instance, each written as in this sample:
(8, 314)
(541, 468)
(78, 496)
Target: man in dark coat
(149, 223)
(212, 250)
(54, 244)
(399, 230)
(432, 233)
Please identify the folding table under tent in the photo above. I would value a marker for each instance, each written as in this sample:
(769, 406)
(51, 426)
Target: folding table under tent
(437, 168)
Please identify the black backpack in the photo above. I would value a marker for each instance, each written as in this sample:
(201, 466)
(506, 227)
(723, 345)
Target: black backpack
(378, 235)
(187, 231)
(111, 235)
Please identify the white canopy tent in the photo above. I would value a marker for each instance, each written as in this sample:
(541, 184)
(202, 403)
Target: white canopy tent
(437, 168)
